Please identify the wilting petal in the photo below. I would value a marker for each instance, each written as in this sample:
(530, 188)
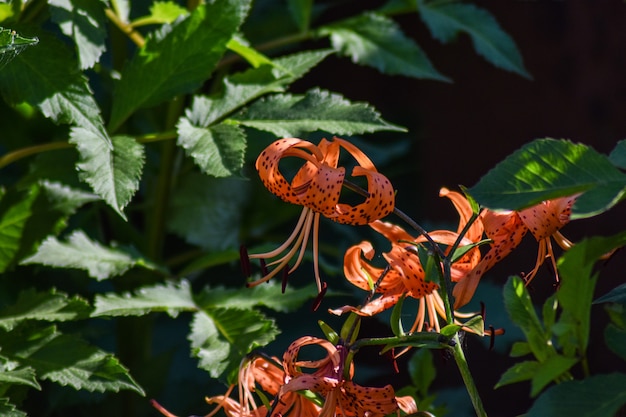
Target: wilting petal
(548, 217)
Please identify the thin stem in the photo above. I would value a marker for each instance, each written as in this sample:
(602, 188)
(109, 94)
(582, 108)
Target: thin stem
(430, 339)
(11, 157)
(127, 28)
(472, 390)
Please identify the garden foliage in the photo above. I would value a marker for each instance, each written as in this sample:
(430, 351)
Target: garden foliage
(129, 134)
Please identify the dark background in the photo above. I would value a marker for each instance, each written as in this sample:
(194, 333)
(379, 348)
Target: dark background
(575, 52)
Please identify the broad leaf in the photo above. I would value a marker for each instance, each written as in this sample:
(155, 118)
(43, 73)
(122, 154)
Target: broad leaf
(618, 155)
(550, 370)
(15, 210)
(112, 169)
(521, 371)
(375, 40)
(207, 211)
(47, 306)
(83, 253)
(84, 21)
(218, 150)
(67, 360)
(446, 19)
(8, 410)
(221, 337)
(287, 115)
(171, 298)
(9, 374)
(242, 48)
(300, 11)
(550, 168)
(595, 396)
(177, 59)
(268, 295)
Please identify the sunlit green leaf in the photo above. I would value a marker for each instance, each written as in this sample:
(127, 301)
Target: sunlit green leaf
(221, 337)
(12, 44)
(83, 253)
(550, 168)
(47, 306)
(187, 53)
(171, 298)
(83, 21)
(161, 12)
(446, 19)
(287, 115)
(242, 47)
(375, 40)
(595, 396)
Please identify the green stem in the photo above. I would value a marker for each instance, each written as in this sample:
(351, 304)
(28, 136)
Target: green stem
(430, 339)
(126, 28)
(472, 390)
(11, 157)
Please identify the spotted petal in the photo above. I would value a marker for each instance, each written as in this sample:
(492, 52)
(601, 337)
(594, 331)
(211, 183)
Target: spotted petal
(548, 217)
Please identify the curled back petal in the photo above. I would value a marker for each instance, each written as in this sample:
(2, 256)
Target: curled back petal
(392, 232)
(408, 265)
(548, 217)
(465, 211)
(357, 154)
(378, 204)
(323, 190)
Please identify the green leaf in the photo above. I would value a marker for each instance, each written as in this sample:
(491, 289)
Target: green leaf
(112, 169)
(375, 40)
(67, 360)
(615, 339)
(83, 253)
(177, 59)
(422, 370)
(550, 168)
(221, 337)
(616, 295)
(522, 312)
(171, 298)
(12, 44)
(207, 211)
(161, 12)
(242, 48)
(395, 321)
(268, 295)
(47, 306)
(595, 396)
(446, 19)
(286, 115)
(48, 77)
(28, 216)
(618, 155)
(83, 21)
(521, 371)
(21, 376)
(8, 410)
(300, 11)
(550, 370)
(218, 150)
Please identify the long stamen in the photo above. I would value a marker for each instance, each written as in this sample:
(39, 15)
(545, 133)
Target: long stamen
(289, 240)
(305, 240)
(316, 251)
(562, 241)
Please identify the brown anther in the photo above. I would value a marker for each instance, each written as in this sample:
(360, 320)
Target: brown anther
(318, 299)
(246, 268)
(264, 270)
(284, 279)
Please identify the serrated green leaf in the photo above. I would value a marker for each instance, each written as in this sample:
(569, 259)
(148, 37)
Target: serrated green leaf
(9, 410)
(171, 298)
(207, 211)
(48, 77)
(376, 40)
(22, 375)
(83, 21)
(521, 371)
(112, 169)
(550, 168)
(83, 253)
(269, 295)
(618, 155)
(161, 12)
(177, 59)
(46, 306)
(221, 337)
(595, 396)
(300, 11)
(67, 360)
(287, 115)
(218, 150)
(15, 210)
(12, 44)
(522, 312)
(446, 19)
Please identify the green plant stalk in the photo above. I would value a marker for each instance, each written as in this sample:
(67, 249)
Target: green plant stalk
(18, 154)
(472, 390)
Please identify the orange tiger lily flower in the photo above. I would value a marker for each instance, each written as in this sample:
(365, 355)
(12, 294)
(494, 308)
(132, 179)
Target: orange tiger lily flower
(506, 230)
(342, 397)
(317, 187)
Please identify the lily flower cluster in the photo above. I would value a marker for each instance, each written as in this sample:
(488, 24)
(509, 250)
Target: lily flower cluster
(327, 388)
